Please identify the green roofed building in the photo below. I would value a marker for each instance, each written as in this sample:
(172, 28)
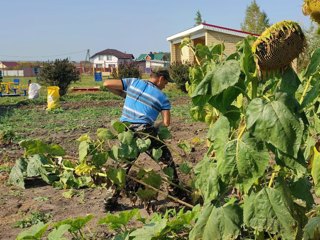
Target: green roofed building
(146, 62)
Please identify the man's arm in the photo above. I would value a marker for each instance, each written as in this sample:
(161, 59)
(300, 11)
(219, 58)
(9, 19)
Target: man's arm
(115, 86)
(165, 117)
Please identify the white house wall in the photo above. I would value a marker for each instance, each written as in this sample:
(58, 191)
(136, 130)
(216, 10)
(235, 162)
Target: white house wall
(104, 62)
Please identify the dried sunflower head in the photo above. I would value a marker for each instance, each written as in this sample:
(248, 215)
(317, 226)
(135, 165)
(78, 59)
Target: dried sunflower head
(278, 46)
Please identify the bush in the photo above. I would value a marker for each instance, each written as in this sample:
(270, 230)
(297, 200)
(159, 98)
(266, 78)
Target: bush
(179, 72)
(58, 73)
(127, 70)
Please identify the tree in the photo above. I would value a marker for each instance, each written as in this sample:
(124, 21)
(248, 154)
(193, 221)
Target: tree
(198, 18)
(58, 73)
(256, 21)
(127, 70)
(179, 72)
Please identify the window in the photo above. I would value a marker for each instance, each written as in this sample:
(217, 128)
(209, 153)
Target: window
(101, 57)
(109, 57)
(98, 65)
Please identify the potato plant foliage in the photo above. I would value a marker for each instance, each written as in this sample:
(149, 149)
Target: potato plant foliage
(254, 178)
(101, 161)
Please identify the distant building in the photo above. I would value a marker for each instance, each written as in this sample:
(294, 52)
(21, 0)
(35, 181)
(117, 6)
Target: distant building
(5, 65)
(206, 34)
(109, 59)
(146, 62)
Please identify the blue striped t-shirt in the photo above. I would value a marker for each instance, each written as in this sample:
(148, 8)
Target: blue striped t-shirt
(144, 101)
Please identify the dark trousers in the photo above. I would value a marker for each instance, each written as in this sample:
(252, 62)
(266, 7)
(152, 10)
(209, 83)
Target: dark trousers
(140, 131)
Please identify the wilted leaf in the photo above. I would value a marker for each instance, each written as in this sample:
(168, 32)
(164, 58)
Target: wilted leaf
(156, 153)
(35, 166)
(126, 137)
(143, 144)
(105, 134)
(270, 210)
(218, 223)
(185, 146)
(83, 150)
(16, 176)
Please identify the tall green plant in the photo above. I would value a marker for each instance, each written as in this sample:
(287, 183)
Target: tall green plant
(254, 177)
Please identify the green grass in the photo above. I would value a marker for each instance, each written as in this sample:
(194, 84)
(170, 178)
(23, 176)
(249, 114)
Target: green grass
(28, 121)
(182, 112)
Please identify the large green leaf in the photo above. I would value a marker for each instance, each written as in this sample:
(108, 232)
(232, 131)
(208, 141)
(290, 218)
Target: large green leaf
(115, 222)
(221, 223)
(298, 165)
(143, 144)
(33, 233)
(225, 76)
(119, 126)
(98, 159)
(57, 233)
(76, 224)
(314, 63)
(105, 134)
(245, 161)
(247, 63)
(126, 137)
(290, 82)
(312, 95)
(150, 231)
(117, 176)
(207, 179)
(301, 190)
(270, 210)
(312, 229)
(164, 133)
(315, 170)
(39, 147)
(17, 173)
(274, 123)
(219, 135)
(203, 88)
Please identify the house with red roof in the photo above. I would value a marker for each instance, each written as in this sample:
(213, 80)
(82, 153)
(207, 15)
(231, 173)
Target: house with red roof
(4, 65)
(206, 34)
(109, 59)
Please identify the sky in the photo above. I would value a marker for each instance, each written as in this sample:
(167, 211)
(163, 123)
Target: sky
(49, 29)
